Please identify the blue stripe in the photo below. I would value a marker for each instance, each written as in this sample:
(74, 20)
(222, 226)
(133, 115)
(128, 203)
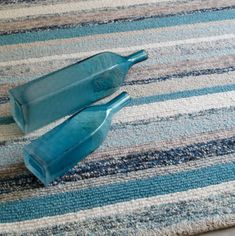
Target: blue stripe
(182, 94)
(109, 194)
(155, 22)
(4, 100)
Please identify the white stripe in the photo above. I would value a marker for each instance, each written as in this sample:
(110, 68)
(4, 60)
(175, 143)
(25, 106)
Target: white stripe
(70, 7)
(119, 208)
(177, 106)
(118, 50)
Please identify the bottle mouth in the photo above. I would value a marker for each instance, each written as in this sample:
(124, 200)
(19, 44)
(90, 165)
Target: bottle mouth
(118, 102)
(137, 56)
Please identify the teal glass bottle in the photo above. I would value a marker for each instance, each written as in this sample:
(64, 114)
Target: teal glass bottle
(54, 153)
(70, 89)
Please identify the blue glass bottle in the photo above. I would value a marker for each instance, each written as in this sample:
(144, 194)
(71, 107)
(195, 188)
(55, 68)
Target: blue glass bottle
(54, 153)
(70, 89)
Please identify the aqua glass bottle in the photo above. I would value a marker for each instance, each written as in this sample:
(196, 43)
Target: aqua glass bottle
(68, 90)
(54, 153)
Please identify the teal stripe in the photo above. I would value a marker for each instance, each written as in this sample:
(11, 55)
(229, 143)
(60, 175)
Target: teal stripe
(118, 27)
(62, 203)
(182, 94)
(5, 120)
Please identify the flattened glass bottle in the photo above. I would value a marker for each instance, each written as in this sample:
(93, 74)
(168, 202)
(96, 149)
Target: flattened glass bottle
(70, 89)
(54, 153)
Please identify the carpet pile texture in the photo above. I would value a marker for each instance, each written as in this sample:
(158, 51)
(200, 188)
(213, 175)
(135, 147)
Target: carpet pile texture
(167, 166)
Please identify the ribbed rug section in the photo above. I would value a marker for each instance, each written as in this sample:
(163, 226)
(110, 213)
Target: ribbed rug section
(167, 166)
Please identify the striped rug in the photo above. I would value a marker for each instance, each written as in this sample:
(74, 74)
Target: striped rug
(167, 166)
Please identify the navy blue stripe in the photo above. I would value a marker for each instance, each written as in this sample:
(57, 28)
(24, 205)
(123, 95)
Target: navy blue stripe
(194, 73)
(129, 163)
(150, 159)
(4, 100)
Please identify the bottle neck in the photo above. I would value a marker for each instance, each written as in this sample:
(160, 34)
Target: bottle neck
(137, 57)
(117, 103)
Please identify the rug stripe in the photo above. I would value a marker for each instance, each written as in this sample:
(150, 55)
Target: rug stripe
(183, 94)
(224, 202)
(110, 194)
(120, 27)
(81, 54)
(138, 105)
(118, 208)
(169, 84)
(32, 188)
(97, 16)
(143, 164)
(152, 37)
(185, 80)
(70, 7)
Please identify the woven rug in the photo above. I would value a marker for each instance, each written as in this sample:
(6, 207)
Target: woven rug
(167, 166)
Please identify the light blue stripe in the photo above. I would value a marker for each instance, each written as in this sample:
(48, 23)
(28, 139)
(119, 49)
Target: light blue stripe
(118, 27)
(109, 194)
(182, 94)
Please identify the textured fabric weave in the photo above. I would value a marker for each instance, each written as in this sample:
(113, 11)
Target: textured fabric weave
(167, 166)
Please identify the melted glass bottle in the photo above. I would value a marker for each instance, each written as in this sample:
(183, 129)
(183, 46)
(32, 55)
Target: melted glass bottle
(70, 89)
(54, 153)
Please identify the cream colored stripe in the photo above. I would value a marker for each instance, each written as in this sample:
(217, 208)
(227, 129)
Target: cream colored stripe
(118, 50)
(118, 208)
(180, 84)
(143, 112)
(70, 7)
(5, 109)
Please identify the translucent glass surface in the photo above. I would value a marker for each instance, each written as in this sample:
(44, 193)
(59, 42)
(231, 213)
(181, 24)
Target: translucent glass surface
(70, 89)
(54, 153)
